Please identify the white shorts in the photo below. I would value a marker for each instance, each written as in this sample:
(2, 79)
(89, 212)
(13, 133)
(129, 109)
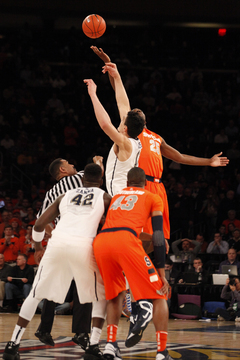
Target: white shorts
(63, 261)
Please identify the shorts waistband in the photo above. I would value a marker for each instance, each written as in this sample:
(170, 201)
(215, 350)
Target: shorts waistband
(114, 229)
(153, 179)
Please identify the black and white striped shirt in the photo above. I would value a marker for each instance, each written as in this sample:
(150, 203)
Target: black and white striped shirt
(60, 188)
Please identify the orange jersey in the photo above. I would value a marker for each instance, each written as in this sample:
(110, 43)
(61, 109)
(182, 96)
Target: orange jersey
(151, 162)
(150, 157)
(138, 205)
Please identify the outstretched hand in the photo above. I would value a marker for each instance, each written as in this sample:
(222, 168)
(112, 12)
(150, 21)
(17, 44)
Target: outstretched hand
(101, 54)
(217, 160)
(92, 87)
(111, 69)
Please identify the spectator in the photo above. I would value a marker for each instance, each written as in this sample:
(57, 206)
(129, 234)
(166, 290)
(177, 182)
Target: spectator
(231, 219)
(9, 245)
(19, 282)
(17, 228)
(4, 273)
(223, 232)
(231, 260)
(217, 246)
(24, 207)
(5, 222)
(227, 203)
(234, 242)
(230, 292)
(204, 244)
(198, 269)
(187, 254)
(174, 273)
(210, 208)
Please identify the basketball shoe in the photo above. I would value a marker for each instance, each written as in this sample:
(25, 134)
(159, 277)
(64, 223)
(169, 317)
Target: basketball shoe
(112, 351)
(163, 355)
(93, 352)
(144, 316)
(133, 339)
(11, 351)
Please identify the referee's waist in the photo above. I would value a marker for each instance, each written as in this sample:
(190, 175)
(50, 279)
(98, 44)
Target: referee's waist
(153, 179)
(122, 228)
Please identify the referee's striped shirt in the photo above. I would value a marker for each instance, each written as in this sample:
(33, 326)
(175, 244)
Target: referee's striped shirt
(60, 188)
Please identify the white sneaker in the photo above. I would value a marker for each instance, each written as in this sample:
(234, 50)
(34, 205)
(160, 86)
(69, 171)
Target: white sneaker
(112, 352)
(237, 319)
(163, 355)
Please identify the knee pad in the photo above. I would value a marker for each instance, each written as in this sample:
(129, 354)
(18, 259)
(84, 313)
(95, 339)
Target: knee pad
(99, 309)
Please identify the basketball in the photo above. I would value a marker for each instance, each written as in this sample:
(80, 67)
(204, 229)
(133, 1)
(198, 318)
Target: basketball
(94, 26)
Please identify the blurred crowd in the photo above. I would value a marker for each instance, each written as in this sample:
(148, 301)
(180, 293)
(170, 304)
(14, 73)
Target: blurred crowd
(45, 112)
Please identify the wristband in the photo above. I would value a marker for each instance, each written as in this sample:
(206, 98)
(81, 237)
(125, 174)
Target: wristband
(38, 236)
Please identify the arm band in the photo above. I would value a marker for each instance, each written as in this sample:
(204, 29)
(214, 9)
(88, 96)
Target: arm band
(158, 242)
(38, 236)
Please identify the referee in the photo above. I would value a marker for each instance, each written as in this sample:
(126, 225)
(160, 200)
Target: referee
(67, 178)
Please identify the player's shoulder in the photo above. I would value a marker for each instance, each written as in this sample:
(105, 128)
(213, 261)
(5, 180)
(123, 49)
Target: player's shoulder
(146, 133)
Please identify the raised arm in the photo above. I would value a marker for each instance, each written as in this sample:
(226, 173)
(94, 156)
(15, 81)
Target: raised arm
(120, 92)
(105, 58)
(103, 117)
(170, 153)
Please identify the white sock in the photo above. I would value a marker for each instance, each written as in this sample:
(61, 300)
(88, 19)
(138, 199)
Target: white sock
(95, 335)
(17, 334)
(1, 303)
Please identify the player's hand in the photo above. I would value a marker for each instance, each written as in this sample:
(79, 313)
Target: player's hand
(111, 69)
(92, 87)
(24, 280)
(165, 288)
(101, 54)
(217, 160)
(38, 256)
(98, 160)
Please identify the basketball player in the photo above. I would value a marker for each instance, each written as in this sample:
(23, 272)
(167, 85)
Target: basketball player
(153, 147)
(81, 210)
(125, 151)
(118, 249)
(67, 178)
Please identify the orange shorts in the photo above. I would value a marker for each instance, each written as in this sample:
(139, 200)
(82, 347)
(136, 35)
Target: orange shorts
(160, 190)
(118, 252)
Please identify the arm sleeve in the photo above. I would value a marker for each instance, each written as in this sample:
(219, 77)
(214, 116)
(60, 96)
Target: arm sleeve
(158, 241)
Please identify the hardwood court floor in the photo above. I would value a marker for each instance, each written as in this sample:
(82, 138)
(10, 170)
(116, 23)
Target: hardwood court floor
(187, 340)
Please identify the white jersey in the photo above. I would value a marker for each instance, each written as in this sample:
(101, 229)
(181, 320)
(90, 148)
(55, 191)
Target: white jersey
(80, 212)
(116, 170)
(69, 254)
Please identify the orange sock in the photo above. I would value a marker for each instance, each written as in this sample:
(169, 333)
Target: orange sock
(112, 333)
(161, 340)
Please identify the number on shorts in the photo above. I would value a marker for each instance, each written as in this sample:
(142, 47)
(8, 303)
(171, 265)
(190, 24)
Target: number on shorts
(82, 200)
(128, 204)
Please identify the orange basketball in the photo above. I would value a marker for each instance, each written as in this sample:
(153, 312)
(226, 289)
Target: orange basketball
(94, 26)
